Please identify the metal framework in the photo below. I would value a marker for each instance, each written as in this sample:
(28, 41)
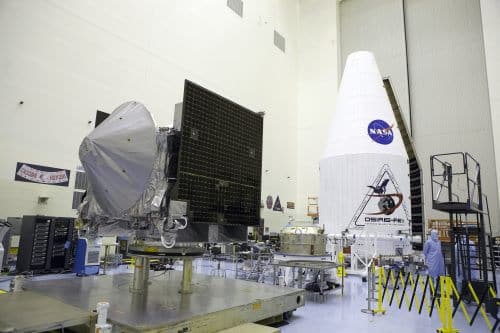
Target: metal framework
(456, 190)
(416, 186)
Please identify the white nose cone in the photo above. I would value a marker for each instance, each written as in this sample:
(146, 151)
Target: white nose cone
(362, 99)
(364, 171)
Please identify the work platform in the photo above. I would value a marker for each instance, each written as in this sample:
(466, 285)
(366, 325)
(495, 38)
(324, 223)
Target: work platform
(215, 303)
(457, 207)
(27, 311)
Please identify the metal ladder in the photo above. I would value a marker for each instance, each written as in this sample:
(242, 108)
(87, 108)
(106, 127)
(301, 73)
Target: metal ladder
(482, 260)
(469, 219)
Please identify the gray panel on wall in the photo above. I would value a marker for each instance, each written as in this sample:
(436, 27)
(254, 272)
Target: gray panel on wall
(448, 86)
(377, 26)
(236, 6)
(279, 41)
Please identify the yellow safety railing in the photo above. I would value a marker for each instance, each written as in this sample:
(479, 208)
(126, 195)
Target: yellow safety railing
(394, 283)
(462, 306)
(380, 308)
(425, 301)
(340, 269)
(481, 308)
(414, 290)
(446, 308)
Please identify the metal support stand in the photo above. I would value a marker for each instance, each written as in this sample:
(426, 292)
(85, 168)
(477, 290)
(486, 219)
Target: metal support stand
(102, 316)
(141, 275)
(370, 279)
(105, 265)
(380, 290)
(106, 253)
(187, 276)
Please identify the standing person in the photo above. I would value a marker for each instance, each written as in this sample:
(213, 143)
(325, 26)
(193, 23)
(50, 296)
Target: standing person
(434, 257)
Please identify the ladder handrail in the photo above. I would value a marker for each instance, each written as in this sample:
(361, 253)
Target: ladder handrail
(469, 266)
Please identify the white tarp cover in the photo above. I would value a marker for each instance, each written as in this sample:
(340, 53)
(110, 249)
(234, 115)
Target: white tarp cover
(118, 157)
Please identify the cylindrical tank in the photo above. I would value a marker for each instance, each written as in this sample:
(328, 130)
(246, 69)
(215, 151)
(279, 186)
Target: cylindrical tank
(303, 240)
(364, 170)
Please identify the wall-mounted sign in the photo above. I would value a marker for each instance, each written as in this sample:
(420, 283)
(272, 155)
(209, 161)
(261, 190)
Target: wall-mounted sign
(40, 174)
(277, 205)
(290, 205)
(269, 202)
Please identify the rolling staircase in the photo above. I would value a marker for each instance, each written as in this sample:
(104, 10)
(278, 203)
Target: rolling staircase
(456, 190)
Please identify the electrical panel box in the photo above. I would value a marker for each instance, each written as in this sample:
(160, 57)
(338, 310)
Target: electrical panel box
(87, 258)
(46, 244)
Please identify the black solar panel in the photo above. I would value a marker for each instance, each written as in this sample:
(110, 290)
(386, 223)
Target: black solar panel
(220, 159)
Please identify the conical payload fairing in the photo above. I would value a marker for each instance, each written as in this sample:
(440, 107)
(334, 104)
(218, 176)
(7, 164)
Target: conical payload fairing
(364, 182)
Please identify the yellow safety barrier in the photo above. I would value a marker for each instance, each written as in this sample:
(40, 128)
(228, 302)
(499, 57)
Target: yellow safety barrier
(445, 308)
(462, 306)
(414, 286)
(381, 275)
(340, 269)
(481, 308)
(414, 290)
(425, 301)
(434, 294)
(492, 292)
(394, 282)
(404, 295)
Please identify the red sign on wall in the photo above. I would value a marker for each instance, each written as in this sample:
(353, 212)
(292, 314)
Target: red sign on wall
(40, 174)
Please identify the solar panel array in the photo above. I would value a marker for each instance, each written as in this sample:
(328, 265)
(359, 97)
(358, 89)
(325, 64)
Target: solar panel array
(220, 159)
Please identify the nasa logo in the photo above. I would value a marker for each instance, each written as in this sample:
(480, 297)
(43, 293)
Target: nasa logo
(380, 132)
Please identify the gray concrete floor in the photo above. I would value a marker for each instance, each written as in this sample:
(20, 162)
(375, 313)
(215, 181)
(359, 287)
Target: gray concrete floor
(335, 313)
(343, 314)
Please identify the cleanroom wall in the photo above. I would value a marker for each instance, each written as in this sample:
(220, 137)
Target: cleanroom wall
(66, 59)
(317, 86)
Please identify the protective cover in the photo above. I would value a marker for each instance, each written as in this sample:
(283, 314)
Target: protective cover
(125, 159)
(364, 179)
(118, 157)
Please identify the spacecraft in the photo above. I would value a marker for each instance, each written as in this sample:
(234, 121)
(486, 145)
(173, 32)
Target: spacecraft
(364, 182)
(171, 188)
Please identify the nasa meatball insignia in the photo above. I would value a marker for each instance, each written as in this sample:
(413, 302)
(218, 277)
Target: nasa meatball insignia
(381, 132)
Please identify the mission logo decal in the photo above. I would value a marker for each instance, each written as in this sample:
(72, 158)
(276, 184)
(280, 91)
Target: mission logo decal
(382, 199)
(40, 174)
(381, 132)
